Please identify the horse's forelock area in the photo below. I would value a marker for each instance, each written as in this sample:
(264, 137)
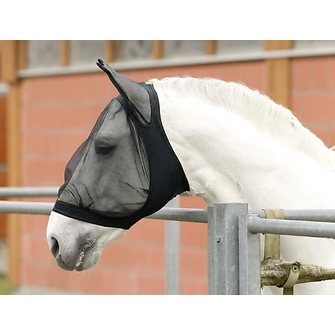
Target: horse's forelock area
(265, 115)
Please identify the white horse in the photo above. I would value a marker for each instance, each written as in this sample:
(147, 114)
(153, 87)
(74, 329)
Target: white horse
(235, 145)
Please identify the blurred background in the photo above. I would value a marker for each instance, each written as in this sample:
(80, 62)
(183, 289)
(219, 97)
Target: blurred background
(51, 93)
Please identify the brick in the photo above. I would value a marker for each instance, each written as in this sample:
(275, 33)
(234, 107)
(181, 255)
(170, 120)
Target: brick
(135, 258)
(150, 285)
(332, 72)
(147, 232)
(34, 225)
(156, 261)
(256, 75)
(211, 71)
(26, 117)
(297, 105)
(114, 282)
(112, 255)
(193, 235)
(300, 69)
(227, 73)
(187, 286)
(81, 115)
(192, 202)
(35, 274)
(131, 252)
(51, 144)
(239, 72)
(201, 287)
(193, 262)
(89, 282)
(331, 137)
(200, 239)
(319, 73)
(187, 234)
(312, 108)
(328, 107)
(35, 247)
(49, 172)
(26, 91)
(60, 279)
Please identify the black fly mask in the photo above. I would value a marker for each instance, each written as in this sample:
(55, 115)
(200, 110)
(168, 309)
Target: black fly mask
(126, 169)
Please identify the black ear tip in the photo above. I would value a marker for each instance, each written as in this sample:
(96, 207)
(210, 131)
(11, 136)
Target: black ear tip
(100, 62)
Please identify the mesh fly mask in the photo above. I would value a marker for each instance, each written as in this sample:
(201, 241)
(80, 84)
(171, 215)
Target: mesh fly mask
(126, 169)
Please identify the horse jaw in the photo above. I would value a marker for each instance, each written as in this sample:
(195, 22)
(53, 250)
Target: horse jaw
(81, 242)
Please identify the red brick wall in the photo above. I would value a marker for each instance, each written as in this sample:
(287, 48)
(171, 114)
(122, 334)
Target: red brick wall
(57, 115)
(313, 95)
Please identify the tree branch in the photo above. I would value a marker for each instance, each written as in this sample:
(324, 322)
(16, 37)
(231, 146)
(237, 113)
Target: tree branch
(274, 272)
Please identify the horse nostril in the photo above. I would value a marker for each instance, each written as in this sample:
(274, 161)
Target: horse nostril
(54, 247)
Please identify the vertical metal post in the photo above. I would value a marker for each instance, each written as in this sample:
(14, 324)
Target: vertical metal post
(172, 252)
(223, 249)
(250, 259)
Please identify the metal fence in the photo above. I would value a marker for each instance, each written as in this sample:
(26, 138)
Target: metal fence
(172, 216)
(233, 236)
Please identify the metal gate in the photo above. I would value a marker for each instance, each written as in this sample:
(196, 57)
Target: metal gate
(233, 237)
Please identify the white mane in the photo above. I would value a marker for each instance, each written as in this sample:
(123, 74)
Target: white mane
(256, 108)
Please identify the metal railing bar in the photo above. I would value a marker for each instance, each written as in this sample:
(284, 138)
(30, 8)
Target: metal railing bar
(291, 227)
(16, 192)
(324, 215)
(174, 214)
(44, 208)
(172, 251)
(181, 214)
(22, 207)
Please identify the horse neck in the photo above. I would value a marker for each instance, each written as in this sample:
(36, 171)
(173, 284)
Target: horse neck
(228, 158)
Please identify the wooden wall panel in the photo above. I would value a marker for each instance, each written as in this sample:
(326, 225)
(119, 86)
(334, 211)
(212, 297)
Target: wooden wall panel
(22, 55)
(158, 51)
(8, 64)
(278, 80)
(278, 45)
(109, 51)
(65, 53)
(3, 223)
(278, 75)
(2, 130)
(210, 47)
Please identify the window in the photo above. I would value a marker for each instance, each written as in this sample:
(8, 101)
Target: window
(313, 44)
(131, 50)
(225, 47)
(184, 48)
(43, 53)
(86, 52)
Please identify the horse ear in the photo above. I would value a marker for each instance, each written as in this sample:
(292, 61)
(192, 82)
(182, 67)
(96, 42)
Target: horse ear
(136, 94)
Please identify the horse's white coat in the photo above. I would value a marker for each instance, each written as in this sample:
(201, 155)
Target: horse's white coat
(69, 231)
(237, 145)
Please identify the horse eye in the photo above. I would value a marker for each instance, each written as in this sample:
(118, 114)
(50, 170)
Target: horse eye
(103, 147)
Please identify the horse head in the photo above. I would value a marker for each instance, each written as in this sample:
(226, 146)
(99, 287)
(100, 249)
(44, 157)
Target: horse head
(125, 170)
